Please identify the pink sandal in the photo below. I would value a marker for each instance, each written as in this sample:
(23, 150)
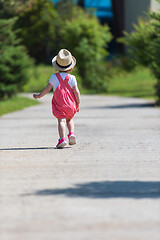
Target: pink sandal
(61, 143)
(71, 138)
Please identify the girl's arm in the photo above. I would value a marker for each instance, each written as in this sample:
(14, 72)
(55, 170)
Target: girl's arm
(46, 90)
(77, 96)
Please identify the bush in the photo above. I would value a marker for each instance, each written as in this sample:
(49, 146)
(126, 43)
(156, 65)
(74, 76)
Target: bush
(44, 30)
(14, 60)
(37, 24)
(155, 52)
(71, 28)
(144, 46)
(139, 43)
(88, 41)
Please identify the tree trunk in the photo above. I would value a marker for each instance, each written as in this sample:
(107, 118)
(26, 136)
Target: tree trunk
(118, 12)
(81, 3)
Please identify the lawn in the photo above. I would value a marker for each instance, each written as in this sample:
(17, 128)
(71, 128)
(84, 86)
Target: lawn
(15, 104)
(38, 78)
(137, 83)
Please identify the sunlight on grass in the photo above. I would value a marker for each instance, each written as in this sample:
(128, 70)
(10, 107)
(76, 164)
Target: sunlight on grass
(15, 104)
(138, 83)
(39, 77)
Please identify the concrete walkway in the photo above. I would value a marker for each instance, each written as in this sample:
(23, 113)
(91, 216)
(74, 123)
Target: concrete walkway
(105, 187)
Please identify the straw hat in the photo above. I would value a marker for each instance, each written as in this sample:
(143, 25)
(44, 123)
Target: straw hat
(64, 61)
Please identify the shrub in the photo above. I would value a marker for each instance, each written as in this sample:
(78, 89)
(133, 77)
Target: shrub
(139, 43)
(155, 52)
(144, 46)
(88, 41)
(44, 30)
(37, 24)
(14, 60)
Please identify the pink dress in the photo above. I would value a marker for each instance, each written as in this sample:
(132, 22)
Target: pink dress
(63, 101)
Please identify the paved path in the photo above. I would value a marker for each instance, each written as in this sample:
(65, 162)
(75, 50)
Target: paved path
(105, 187)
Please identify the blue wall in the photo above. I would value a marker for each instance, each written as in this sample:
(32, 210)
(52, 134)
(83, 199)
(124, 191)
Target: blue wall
(101, 8)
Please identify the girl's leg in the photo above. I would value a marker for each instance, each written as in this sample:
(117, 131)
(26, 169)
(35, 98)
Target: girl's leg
(71, 135)
(61, 127)
(70, 125)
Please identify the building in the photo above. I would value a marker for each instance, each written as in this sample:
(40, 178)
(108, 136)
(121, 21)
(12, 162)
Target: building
(120, 15)
(127, 12)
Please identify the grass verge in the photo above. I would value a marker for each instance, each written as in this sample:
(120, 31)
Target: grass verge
(15, 104)
(138, 83)
(39, 76)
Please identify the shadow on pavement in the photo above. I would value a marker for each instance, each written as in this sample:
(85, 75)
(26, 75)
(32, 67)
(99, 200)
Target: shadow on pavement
(123, 106)
(108, 189)
(29, 148)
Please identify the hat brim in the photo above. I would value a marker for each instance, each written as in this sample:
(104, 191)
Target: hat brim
(63, 69)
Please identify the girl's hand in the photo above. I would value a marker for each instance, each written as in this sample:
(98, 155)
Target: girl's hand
(36, 96)
(43, 92)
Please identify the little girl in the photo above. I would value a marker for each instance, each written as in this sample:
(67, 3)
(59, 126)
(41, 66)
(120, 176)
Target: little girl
(66, 96)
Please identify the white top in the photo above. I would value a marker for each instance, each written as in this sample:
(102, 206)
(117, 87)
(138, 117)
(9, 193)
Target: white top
(55, 83)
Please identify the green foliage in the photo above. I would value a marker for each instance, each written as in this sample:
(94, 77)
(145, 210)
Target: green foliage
(37, 29)
(71, 28)
(87, 40)
(155, 50)
(144, 46)
(45, 29)
(65, 9)
(139, 43)
(12, 8)
(14, 60)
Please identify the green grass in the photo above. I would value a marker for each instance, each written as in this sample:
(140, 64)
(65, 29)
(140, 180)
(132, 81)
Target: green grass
(15, 104)
(138, 83)
(38, 78)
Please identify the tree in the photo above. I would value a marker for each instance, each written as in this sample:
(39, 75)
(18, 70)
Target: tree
(14, 60)
(155, 51)
(12, 8)
(37, 24)
(65, 9)
(81, 3)
(144, 46)
(87, 40)
(44, 30)
(139, 42)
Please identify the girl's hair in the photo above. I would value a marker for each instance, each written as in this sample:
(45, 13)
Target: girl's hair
(67, 71)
